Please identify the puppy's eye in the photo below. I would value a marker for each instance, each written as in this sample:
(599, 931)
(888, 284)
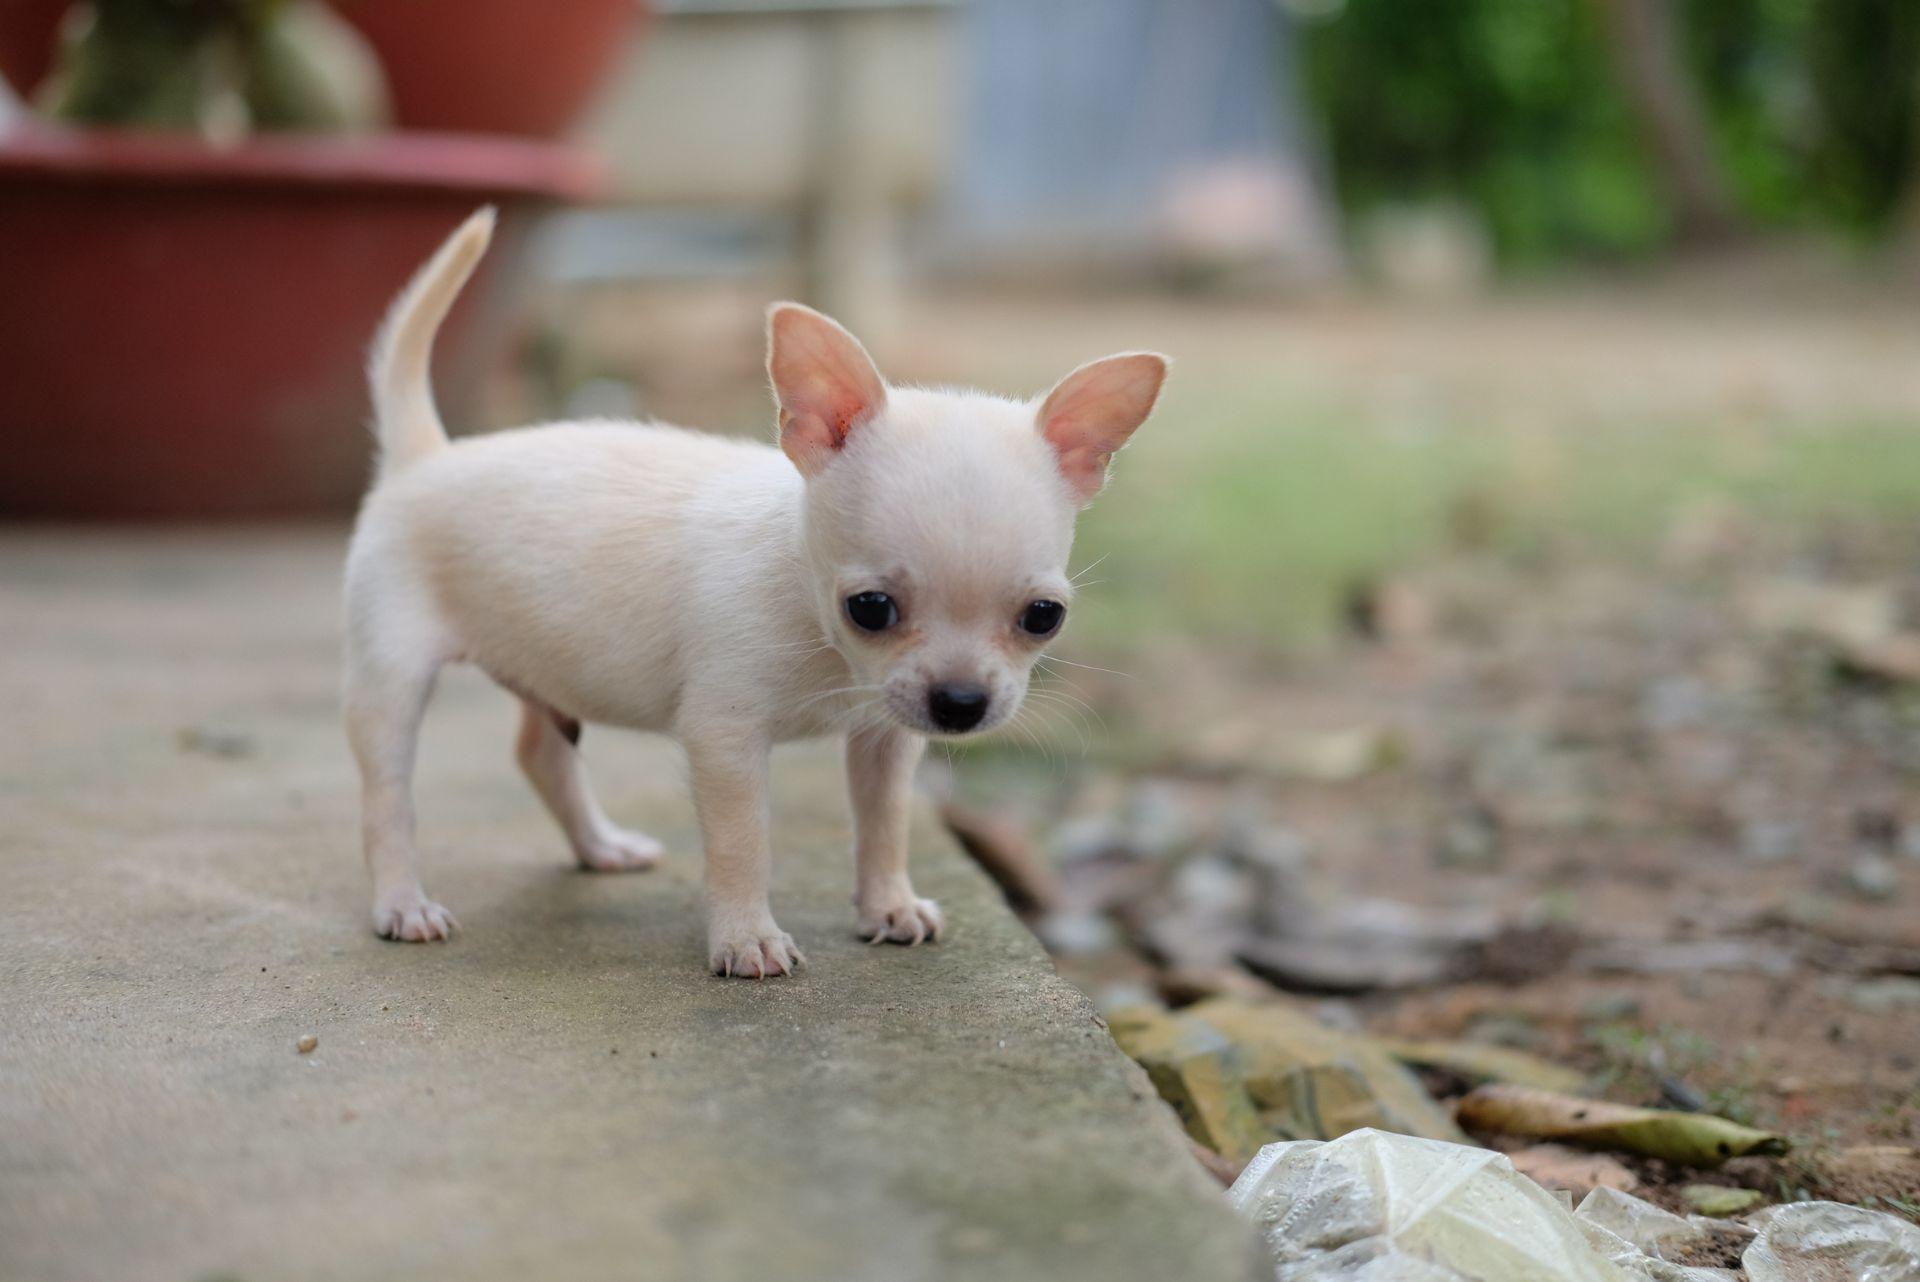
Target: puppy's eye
(872, 611)
(1042, 618)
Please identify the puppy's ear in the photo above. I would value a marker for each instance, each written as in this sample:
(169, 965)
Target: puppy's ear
(1093, 411)
(824, 382)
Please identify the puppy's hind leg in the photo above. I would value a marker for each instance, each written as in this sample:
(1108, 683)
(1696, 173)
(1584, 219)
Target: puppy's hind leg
(548, 752)
(384, 704)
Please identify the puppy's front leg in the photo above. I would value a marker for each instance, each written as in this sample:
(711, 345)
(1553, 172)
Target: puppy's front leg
(880, 778)
(729, 771)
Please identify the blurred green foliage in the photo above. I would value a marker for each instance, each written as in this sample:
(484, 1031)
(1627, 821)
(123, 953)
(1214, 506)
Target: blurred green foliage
(1816, 104)
(217, 67)
(1513, 108)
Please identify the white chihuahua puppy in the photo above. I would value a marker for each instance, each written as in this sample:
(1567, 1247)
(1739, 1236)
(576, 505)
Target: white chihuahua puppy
(891, 572)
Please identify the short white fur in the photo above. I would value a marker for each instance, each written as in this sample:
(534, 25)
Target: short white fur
(660, 579)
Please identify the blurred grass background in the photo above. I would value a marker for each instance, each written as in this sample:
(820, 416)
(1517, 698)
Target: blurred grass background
(1258, 532)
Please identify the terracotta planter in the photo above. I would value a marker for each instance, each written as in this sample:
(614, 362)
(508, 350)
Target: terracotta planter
(185, 327)
(527, 67)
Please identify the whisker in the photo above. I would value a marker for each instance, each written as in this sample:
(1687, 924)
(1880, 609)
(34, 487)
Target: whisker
(1047, 703)
(1086, 570)
(1091, 667)
(1071, 702)
(1055, 713)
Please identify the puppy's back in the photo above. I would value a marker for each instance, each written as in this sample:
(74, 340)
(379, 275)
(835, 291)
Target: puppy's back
(597, 541)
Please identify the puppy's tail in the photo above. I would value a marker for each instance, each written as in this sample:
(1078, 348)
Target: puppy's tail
(405, 418)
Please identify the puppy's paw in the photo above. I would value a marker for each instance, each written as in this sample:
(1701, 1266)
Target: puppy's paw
(753, 952)
(619, 850)
(412, 918)
(902, 918)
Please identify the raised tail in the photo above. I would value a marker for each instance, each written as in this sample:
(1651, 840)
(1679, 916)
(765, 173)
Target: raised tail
(405, 419)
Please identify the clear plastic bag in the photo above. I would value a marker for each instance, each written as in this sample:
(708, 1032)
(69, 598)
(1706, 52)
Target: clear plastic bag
(1831, 1240)
(1373, 1206)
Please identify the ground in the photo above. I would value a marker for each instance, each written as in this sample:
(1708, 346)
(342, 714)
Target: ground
(563, 1090)
(1553, 620)
(1590, 567)
(1579, 558)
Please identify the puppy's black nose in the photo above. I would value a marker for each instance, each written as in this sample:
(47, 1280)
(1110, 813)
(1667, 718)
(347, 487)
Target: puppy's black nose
(956, 707)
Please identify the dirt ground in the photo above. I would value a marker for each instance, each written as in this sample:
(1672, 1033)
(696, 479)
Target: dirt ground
(1636, 822)
(1602, 748)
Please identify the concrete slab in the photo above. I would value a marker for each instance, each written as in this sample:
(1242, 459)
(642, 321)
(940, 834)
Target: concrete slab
(562, 1092)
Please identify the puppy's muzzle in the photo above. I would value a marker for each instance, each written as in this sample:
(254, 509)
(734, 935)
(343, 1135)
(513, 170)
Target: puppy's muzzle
(957, 708)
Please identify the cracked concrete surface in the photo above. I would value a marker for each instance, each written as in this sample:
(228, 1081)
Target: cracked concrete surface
(562, 1092)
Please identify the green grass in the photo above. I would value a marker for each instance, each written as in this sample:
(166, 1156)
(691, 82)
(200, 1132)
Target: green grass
(1247, 517)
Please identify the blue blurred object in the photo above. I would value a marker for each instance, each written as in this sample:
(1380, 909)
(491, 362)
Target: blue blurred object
(1099, 127)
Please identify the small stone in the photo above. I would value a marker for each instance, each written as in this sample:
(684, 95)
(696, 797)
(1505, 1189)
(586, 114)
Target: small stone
(1073, 933)
(1844, 616)
(1719, 1201)
(1212, 887)
(1470, 840)
(1873, 876)
(306, 1043)
(1674, 703)
(1607, 1008)
(1885, 995)
(1272, 848)
(1689, 957)
(1184, 938)
(1085, 838)
(216, 741)
(1158, 823)
(1770, 841)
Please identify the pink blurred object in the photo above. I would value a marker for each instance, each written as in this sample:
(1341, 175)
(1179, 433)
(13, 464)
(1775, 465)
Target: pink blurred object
(184, 326)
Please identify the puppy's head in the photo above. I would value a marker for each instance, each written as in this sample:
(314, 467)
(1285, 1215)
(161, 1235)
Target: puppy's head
(938, 523)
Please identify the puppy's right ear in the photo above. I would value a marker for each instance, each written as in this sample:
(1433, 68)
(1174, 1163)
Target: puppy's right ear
(823, 381)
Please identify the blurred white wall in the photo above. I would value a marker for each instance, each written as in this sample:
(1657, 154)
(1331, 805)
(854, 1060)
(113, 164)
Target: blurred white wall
(727, 101)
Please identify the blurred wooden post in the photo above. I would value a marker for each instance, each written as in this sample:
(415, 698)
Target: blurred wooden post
(849, 228)
(1644, 40)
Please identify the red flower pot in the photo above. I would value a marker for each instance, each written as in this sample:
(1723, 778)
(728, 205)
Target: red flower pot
(185, 326)
(527, 67)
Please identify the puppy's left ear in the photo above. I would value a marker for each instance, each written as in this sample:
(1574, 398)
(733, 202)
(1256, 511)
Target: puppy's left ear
(1092, 412)
(824, 382)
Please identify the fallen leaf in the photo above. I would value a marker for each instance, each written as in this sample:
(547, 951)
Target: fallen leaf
(1192, 1068)
(1720, 1201)
(1686, 1139)
(1315, 1082)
